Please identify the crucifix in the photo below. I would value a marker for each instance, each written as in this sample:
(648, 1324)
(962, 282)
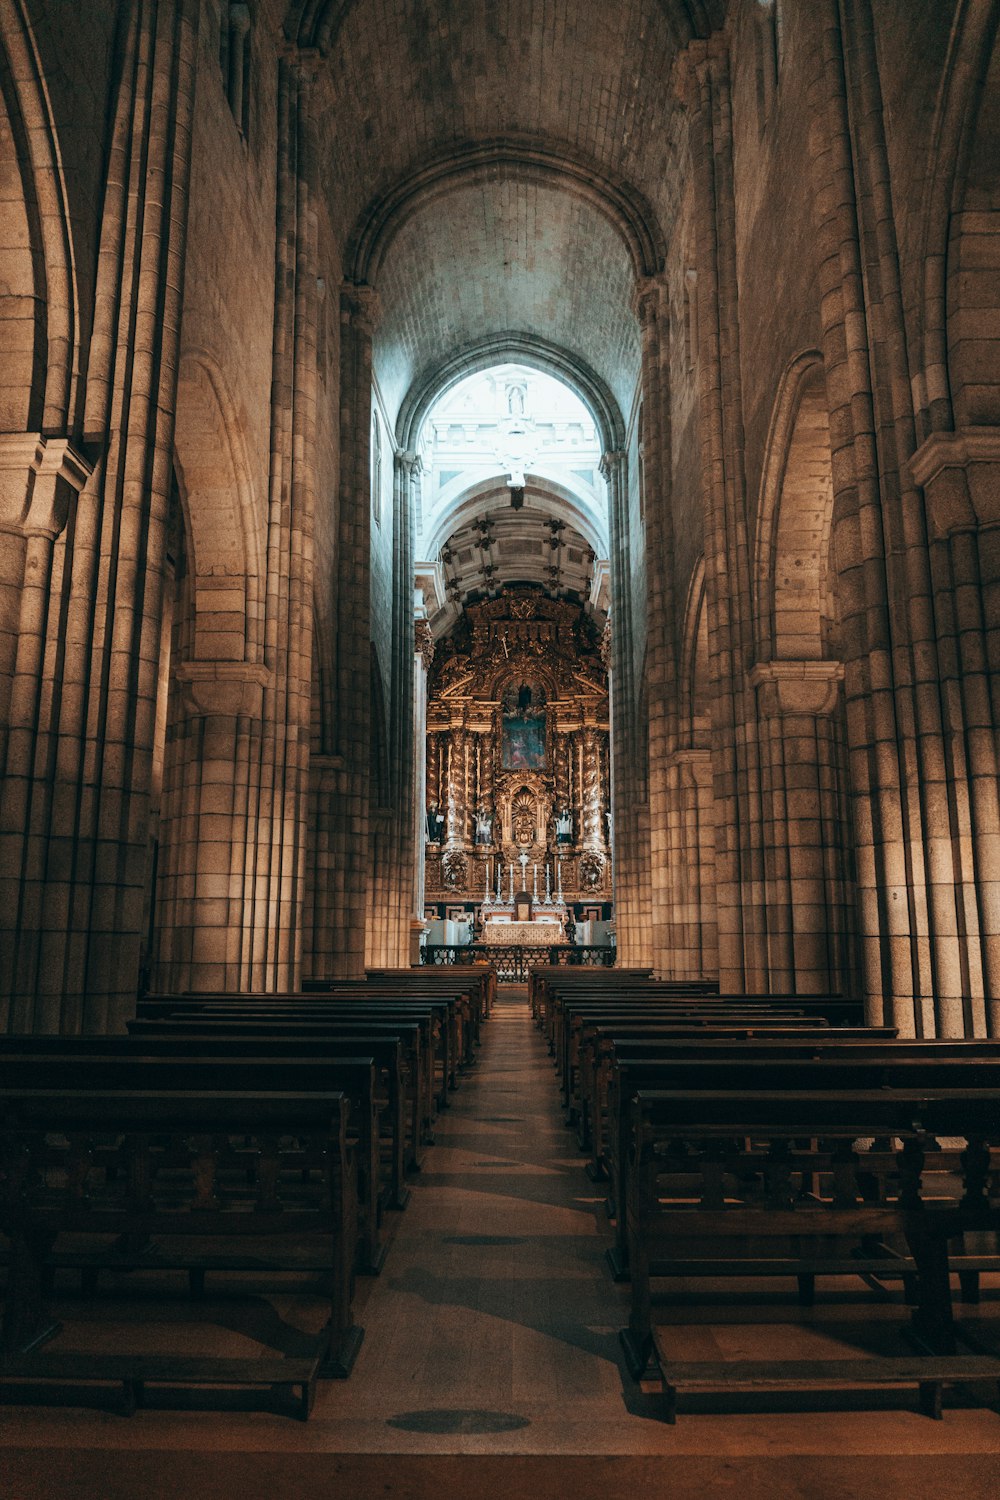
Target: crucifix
(522, 860)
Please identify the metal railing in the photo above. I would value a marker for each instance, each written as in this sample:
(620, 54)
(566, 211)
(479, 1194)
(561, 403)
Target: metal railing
(514, 961)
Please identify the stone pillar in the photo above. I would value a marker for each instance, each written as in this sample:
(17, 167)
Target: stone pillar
(349, 809)
(631, 901)
(704, 82)
(909, 580)
(206, 919)
(71, 952)
(960, 476)
(694, 943)
(392, 857)
(808, 891)
(256, 713)
(422, 659)
(652, 312)
(39, 479)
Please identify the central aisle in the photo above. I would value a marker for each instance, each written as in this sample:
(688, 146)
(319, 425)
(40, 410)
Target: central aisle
(494, 1300)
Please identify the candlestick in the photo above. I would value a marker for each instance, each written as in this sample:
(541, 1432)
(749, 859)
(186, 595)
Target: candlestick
(559, 894)
(534, 878)
(499, 876)
(486, 874)
(548, 884)
(512, 882)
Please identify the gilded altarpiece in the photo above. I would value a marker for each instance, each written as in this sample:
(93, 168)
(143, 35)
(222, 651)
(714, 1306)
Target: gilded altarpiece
(518, 772)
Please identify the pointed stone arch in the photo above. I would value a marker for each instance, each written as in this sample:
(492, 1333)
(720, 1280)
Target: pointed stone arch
(37, 267)
(808, 888)
(213, 474)
(794, 583)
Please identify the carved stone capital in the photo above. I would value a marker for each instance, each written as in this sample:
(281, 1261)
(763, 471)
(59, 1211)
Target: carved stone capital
(689, 757)
(407, 462)
(648, 297)
(612, 463)
(797, 687)
(38, 476)
(702, 56)
(229, 688)
(959, 473)
(424, 642)
(359, 306)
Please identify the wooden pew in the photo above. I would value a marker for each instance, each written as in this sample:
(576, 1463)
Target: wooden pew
(463, 1002)
(77, 1136)
(751, 1015)
(479, 978)
(600, 1043)
(438, 1018)
(644, 1001)
(400, 1045)
(745, 1066)
(538, 985)
(716, 1167)
(355, 1077)
(394, 1056)
(329, 1016)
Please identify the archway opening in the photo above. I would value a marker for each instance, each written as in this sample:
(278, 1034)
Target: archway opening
(515, 831)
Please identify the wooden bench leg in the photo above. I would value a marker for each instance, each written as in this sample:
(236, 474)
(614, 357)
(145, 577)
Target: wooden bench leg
(969, 1283)
(669, 1403)
(807, 1288)
(930, 1398)
(26, 1322)
(932, 1317)
(307, 1399)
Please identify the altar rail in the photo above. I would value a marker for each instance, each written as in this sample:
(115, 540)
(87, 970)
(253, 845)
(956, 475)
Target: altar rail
(513, 962)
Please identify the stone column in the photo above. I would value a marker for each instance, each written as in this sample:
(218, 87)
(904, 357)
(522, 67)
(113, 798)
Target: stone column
(704, 80)
(907, 577)
(349, 811)
(72, 956)
(422, 659)
(39, 479)
(263, 886)
(809, 892)
(206, 921)
(392, 861)
(694, 944)
(631, 920)
(651, 307)
(960, 475)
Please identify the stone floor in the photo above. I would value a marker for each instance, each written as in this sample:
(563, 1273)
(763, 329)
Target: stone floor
(491, 1361)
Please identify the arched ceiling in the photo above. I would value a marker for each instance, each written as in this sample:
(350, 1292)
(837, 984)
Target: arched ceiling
(507, 257)
(407, 82)
(473, 237)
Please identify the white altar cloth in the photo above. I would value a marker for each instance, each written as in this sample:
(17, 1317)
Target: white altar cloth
(530, 934)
